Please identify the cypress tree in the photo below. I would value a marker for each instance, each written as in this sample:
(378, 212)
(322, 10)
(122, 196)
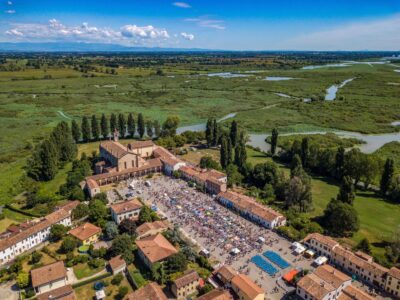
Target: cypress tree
(339, 162)
(48, 158)
(76, 131)
(387, 176)
(113, 122)
(141, 126)
(234, 133)
(224, 152)
(230, 150)
(121, 125)
(131, 125)
(104, 126)
(296, 168)
(240, 155)
(305, 151)
(157, 128)
(85, 130)
(346, 192)
(149, 127)
(274, 140)
(95, 128)
(216, 133)
(210, 132)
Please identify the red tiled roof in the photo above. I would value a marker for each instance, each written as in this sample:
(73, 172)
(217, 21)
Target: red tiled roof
(126, 206)
(116, 262)
(85, 231)
(48, 273)
(156, 247)
(151, 291)
(62, 293)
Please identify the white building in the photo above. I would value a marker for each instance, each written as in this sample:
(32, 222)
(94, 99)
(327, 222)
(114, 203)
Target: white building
(126, 210)
(251, 209)
(31, 234)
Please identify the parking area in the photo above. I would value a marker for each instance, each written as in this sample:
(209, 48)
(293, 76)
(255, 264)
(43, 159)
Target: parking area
(219, 230)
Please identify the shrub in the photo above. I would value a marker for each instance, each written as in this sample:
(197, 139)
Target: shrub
(117, 279)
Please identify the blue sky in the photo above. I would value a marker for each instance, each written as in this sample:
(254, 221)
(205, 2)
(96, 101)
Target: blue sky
(218, 24)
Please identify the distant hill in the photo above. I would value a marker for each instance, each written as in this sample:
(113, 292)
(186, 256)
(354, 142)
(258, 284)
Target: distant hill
(84, 47)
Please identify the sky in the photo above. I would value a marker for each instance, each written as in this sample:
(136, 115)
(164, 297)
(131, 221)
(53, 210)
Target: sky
(207, 24)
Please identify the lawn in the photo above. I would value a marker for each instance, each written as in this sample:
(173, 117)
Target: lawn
(87, 291)
(83, 270)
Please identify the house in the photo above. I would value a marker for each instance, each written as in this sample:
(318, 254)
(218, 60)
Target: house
(169, 161)
(49, 277)
(321, 244)
(246, 289)
(151, 228)
(393, 282)
(62, 293)
(92, 188)
(185, 285)
(117, 264)
(151, 291)
(86, 233)
(155, 248)
(126, 210)
(216, 294)
(213, 181)
(324, 283)
(225, 275)
(350, 292)
(28, 235)
(249, 208)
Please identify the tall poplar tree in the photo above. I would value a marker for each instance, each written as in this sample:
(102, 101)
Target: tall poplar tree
(131, 125)
(210, 132)
(104, 126)
(216, 133)
(240, 155)
(141, 126)
(113, 123)
(76, 131)
(346, 192)
(149, 129)
(224, 152)
(121, 125)
(85, 130)
(95, 128)
(305, 152)
(274, 140)
(387, 176)
(49, 160)
(339, 162)
(234, 134)
(157, 128)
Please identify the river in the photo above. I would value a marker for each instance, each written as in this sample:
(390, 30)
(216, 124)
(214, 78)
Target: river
(372, 141)
(332, 90)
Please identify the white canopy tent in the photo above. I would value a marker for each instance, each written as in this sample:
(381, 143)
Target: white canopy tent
(319, 261)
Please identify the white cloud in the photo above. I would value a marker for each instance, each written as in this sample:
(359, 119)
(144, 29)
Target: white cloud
(9, 3)
(380, 34)
(206, 22)
(54, 30)
(181, 4)
(187, 36)
(145, 32)
(10, 11)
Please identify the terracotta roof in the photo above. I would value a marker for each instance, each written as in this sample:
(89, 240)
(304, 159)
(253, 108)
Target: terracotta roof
(141, 144)
(370, 266)
(126, 206)
(48, 273)
(69, 206)
(149, 164)
(323, 239)
(156, 247)
(187, 278)
(63, 293)
(216, 294)
(249, 204)
(331, 275)
(353, 293)
(225, 273)
(114, 148)
(323, 281)
(189, 171)
(92, 184)
(146, 227)
(85, 231)
(34, 227)
(246, 286)
(116, 262)
(152, 291)
(166, 156)
(394, 272)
